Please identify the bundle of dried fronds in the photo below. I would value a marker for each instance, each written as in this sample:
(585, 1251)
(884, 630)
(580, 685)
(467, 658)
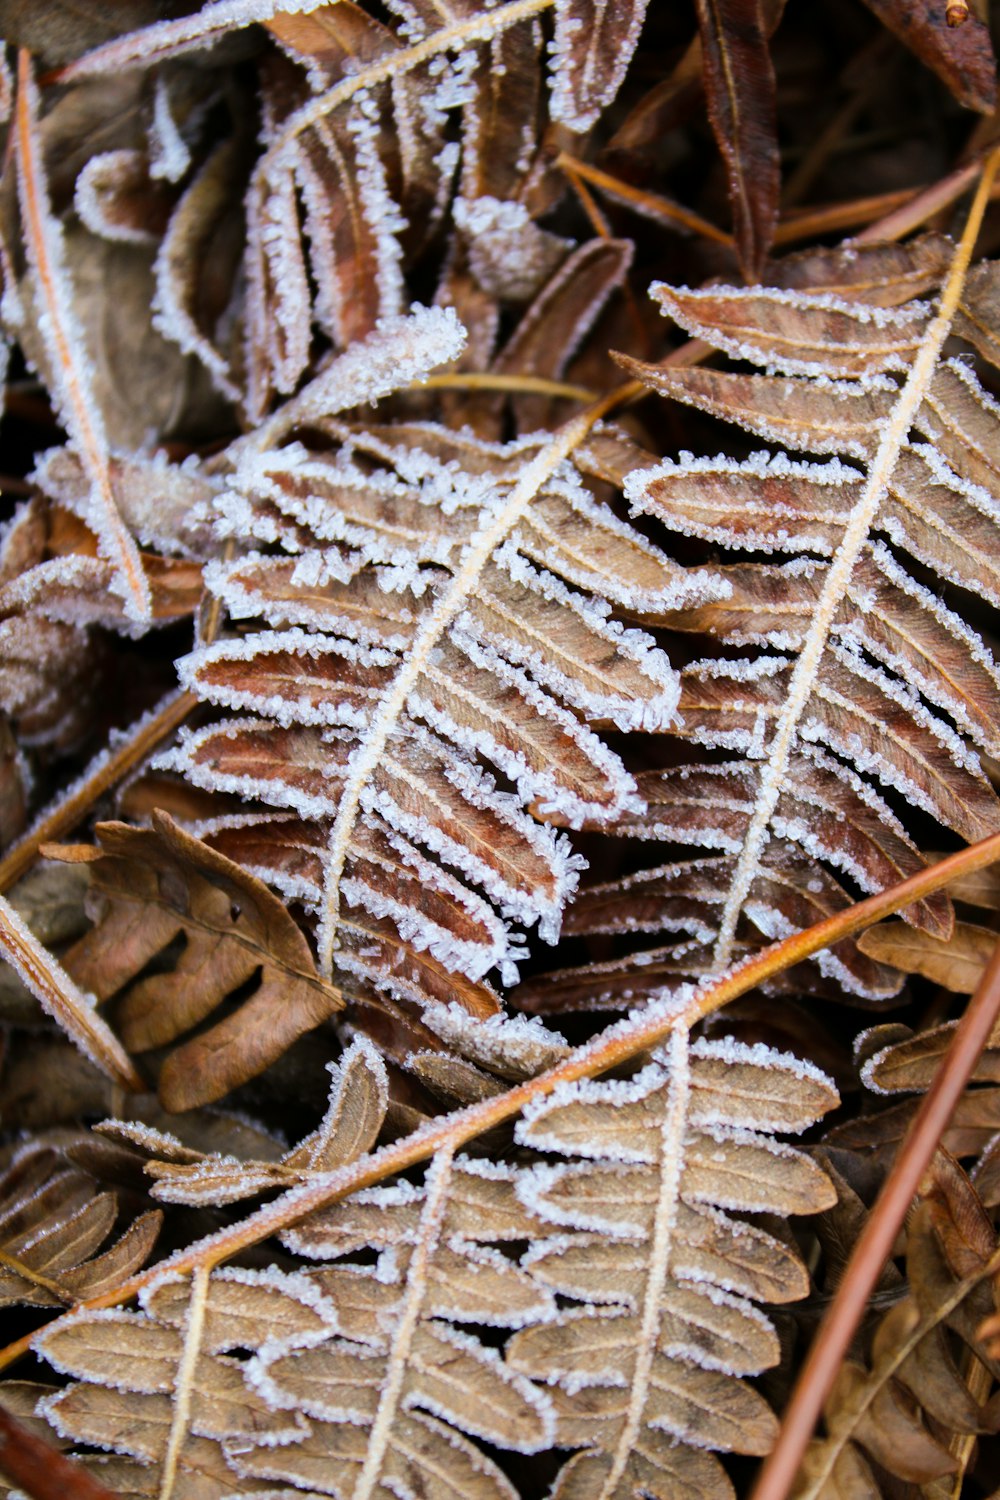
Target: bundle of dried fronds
(359, 626)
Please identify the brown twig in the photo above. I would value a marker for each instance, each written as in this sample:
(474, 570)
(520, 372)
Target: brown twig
(602, 228)
(916, 211)
(651, 205)
(37, 1278)
(40, 1470)
(514, 385)
(105, 771)
(877, 1238)
(588, 202)
(887, 216)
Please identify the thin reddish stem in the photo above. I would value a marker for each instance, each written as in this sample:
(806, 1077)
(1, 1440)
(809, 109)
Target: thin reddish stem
(651, 205)
(877, 1238)
(63, 1001)
(40, 1470)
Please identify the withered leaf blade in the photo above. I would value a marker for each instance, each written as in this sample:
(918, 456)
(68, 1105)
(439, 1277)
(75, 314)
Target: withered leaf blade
(509, 96)
(115, 198)
(883, 274)
(156, 884)
(593, 47)
(198, 229)
(799, 333)
(957, 962)
(971, 1132)
(961, 56)
(53, 1222)
(908, 1063)
(61, 349)
(739, 87)
(780, 410)
(560, 318)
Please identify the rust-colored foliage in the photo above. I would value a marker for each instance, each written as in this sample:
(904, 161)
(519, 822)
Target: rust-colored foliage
(389, 675)
(150, 887)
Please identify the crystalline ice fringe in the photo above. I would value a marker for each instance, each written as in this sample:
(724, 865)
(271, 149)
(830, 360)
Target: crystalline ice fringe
(576, 113)
(401, 350)
(169, 157)
(174, 321)
(88, 201)
(165, 39)
(70, 367)
(508, 1044)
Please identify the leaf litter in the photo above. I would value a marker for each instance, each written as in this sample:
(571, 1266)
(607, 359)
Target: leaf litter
(358, 631)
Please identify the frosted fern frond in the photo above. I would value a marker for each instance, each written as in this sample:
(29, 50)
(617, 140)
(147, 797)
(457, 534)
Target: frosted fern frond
(346, 1374)
(424, 602)
(363, 146)
(645, 1375)
(369, 128)
(295, 1405)
(838, 679)
(331, 1376)
(54, 1221)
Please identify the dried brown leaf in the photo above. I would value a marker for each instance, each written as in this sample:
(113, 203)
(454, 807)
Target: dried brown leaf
(53, 1223)
(957, 962)
(903, 1064)
(560, 318)
(961, 56)
(152, 886)
(739, 87)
